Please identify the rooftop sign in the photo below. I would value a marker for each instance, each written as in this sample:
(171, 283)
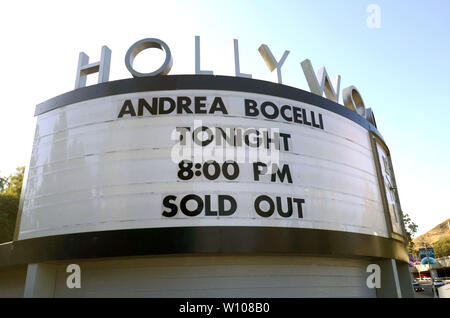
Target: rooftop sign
(319, 83)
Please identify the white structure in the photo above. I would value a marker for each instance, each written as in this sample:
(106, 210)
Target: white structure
(107, 190)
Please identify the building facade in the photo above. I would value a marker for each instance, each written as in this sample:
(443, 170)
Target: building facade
(206, 186)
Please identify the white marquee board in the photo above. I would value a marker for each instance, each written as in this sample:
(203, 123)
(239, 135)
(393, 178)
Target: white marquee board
(92, 170)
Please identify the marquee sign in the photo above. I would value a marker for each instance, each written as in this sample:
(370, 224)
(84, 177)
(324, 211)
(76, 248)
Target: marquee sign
(111, 163)
(203, 151)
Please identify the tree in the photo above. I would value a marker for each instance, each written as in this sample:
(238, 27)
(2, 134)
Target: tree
(9, 205)
(3, 184)
(442, 247)
(15, 183)
(411, 230)
(10, 189)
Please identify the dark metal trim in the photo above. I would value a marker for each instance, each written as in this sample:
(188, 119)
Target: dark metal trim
(379, 172)
(397, 198)
(374, 138)
(209, 82)
(5, 253)
(201, 240)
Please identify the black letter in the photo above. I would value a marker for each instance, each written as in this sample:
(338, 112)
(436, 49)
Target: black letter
(285, 140)
(281, 174)
(127, 108)
(288, 213)
(233, 205)
(183, 103)
(320, 121)
(299, 206)
(305, 120)
(218, 105)
(297, 115)
(250, 108)
(199, 105)
(256, 171)
(313, 117)
(161, 105)
(208, 210)
(283, 113)
(247, 139)
(184, 208)
(260, 212)
(173, 208)
(266, 114)
(143, 104)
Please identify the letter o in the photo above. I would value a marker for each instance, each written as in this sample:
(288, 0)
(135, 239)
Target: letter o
(266, 114)
(141, 45)
(269, 212)
(197, 131)
(353, 100)
(184, 201)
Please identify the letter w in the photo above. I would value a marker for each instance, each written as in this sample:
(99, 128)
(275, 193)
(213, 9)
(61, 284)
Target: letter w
(320, 83)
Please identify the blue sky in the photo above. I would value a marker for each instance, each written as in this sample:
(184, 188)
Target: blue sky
(401, 69)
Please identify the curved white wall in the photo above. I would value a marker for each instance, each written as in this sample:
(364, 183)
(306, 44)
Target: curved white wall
(219, 276)
(92, 171)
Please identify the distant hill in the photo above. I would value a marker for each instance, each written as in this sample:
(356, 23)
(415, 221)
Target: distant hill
(438, 238)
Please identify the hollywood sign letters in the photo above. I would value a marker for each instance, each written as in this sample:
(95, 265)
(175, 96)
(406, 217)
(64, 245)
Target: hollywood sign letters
(319, 83)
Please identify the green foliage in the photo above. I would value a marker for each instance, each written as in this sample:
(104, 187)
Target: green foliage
(9, 205)
(10, 189)
(3, 184)
(15, 183)
(411, 230)
(441, 247)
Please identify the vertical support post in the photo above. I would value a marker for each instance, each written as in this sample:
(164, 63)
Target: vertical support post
(396, 279)
(405, 280)
(431, 273)
(379, 173)
(390, 285)
(40, 281)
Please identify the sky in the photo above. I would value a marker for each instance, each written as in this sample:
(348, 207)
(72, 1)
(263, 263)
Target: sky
(400, 65)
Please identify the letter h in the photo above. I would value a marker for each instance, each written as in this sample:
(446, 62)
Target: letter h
(102, 67)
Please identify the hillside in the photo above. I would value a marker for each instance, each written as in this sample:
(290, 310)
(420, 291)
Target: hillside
(438, 238)
(436, 234)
